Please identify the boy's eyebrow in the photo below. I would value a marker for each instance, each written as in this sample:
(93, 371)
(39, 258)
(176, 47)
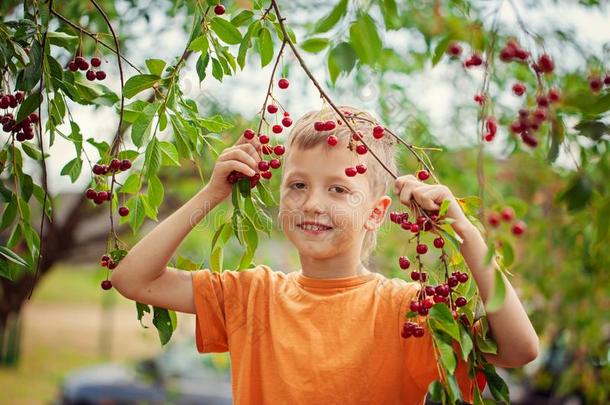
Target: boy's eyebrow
(343, 178)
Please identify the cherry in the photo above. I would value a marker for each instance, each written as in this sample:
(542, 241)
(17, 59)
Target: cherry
(554, 95)
(404, 262)
(414, 306)
(429, 290)
(332, 140)
(595, 84)
(423, 175)
(98, 169)
(272, 108)
(105, 258)
(439, 298)
(90, 75)
(266, 175)
(540, 115)
(318, 126)
(90, 193)
(112, 264)
(34, 118)
(351, 171)
(454, 49)
(123, 211)
(474, 60)
(19, 96)
(491, 125)
(73, 66)
(283, 83)
(453, 281)
(542, 101)
(528, 139)
(414, 228)
(96, 62)
(414, 275)
(507, 214)
(219, 9)
(266, 149)
(277, 129)
(329, 125)
(518, 228)
(125, 164)
(254, 180)
(106, 284)
(439, 242)
(361, 149)
(462, 277)
(115, 164)
(494, 219)
(279, 150)
(419, 332)
(519, 89)
(421, 248)
(263, 165)
(607, 80)
(423, 310)
(275, 163)
(249, 134)
(100, 75)
(378, 132)
(13, 101)
(287, 121)
(361, 168)
(545, 63)
(460, 302)
(407, 226)
(263, 139)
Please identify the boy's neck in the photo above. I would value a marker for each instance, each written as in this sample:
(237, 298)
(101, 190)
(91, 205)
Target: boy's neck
(335, 267)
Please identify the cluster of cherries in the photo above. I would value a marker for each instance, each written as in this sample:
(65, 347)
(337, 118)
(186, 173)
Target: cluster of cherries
(596, 83)
(507, 215)
(93, 73)
(265, 166)
(23, 130)
(99, 197)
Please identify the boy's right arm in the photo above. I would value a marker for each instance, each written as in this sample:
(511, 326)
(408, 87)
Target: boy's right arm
(143, 275)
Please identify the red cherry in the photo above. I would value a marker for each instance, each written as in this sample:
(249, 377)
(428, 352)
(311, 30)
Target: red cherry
(319, 126)
(266, 175)
(414, 275)
(125, 164)
(34, 118)
(378, 132)
(507, 214)
(275, 163)
(266, 149)
(249, 134)
(422, 249)
(428, 303)
(454, 49)
(423, 311)
(595, 84)
(98, 169)
(279, 150)
(106, 284)
(453, 281)
(423, 175)
(263, 166)
(414, 306)
(554, 95)
(404, 262)
(480, 98)
(462, 277)
(287, 121)
(329, 125)
(219, 9)
(460, 302)
(272, 108)
(90, 193)
(414, 228)
(439, 242)
(115, 164)
(100, 75)
(332, 140)
(351, 171)
(545, 63)
(518, 228)
(361, 149)
(361, 168)
(112, 264)
(283, 83)
(123, 211)
(96, 62)
(518, 89)
(494, 219)
(90, 75)
(73, 66)
(263, 139)
(277, 129)
(429, 290)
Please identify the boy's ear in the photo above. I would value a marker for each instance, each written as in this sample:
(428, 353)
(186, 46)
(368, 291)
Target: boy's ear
(377, 215)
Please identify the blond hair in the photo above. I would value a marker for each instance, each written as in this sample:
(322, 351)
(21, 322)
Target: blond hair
(303, 135)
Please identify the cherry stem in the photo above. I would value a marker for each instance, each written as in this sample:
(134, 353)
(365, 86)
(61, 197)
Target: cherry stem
(319, 87)
(275, 65)
(92, 35)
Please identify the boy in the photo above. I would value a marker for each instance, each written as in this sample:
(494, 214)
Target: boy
(329, 333)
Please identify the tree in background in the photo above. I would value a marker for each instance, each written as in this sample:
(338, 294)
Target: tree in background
(517, 106)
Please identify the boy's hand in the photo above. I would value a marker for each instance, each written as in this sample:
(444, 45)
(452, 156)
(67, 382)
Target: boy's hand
(243, 157)
(430, 198)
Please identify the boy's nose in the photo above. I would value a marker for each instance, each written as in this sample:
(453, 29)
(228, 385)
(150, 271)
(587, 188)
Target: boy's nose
(313, 203)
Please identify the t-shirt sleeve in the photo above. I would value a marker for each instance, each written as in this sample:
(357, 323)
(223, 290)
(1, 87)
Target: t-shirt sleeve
(220, 298)
(421, 362)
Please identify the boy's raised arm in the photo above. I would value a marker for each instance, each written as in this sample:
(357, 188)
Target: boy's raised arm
(143, 274)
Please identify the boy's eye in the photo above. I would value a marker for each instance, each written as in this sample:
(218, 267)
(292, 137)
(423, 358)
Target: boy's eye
(296, 185)
(340, 190)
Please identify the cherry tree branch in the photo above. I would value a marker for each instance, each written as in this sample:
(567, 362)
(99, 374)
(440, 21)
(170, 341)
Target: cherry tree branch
(277, 61)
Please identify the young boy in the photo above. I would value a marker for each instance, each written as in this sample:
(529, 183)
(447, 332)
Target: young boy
(330, 332)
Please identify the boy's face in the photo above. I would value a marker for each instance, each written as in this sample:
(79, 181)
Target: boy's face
(315, 189)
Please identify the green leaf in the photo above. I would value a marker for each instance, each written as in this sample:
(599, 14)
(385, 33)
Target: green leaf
(557, 137)
(132, 184)
(486, 344)
(466, 344)
(62, 39)
(155, 191)
(497, 386)
(592, 129)
(142, 125)
(152, 159)
(447, 355)
(155, 66)
(73, 169)
(243, 17)
(266, 46)
(499, 293)
(13, 257)
(141, 309)
(440, 50)
(201, 66)
(365, 40)
(315, 45)
(341, 58)
(442, 211)
(200, 44)
(169, 154)
(332, 18)
(32, 151)
(163, 322)
(441, 318)
(28, 106)
(139, 83)
(578, 193)
(136, 213)
(390, 14)
(225, 31)
(217, 69)
(215, 123)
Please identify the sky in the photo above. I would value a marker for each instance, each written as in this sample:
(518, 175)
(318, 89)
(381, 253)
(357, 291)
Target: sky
(245, 91)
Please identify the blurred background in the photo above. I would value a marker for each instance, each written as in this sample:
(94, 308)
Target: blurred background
(71, 339)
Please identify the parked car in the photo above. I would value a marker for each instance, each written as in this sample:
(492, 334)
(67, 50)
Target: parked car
(179, 376)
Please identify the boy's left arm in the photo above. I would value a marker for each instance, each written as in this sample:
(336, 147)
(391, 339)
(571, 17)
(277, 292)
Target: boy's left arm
(510, 326)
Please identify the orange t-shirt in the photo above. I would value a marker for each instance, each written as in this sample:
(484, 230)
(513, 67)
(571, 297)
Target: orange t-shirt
(300, 340)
